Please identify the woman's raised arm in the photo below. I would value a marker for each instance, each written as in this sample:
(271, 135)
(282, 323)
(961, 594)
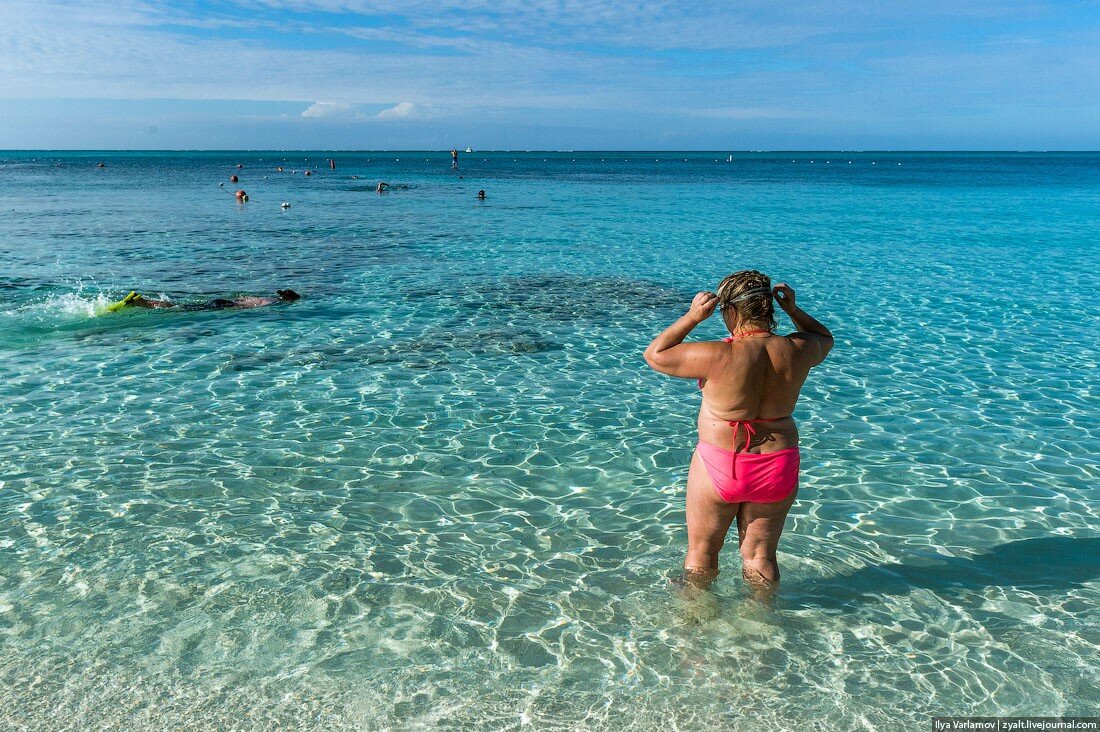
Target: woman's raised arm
(669, 354)
(820, 336)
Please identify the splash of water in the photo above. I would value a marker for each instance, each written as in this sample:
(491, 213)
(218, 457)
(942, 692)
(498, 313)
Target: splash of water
(75, 304)
(29, 322)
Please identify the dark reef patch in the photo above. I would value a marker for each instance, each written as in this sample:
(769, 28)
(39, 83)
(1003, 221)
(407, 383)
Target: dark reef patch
(557, 297)
(442, 348)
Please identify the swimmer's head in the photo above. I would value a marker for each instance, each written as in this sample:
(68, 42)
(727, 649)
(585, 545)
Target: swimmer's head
(288, 295)
(746, 297)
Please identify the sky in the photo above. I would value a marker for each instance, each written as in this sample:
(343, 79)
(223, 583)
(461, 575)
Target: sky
(550, 74)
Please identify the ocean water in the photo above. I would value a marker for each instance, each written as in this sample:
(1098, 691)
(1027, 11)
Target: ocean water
(444, 492)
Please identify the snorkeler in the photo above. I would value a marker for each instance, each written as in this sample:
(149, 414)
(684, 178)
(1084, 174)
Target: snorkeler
(382, 185)
(481, 194)
(219, 303)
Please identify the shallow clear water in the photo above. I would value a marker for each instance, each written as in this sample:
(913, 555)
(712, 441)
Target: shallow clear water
(443, 491)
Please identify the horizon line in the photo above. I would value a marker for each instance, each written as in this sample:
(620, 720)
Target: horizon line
(726, 151)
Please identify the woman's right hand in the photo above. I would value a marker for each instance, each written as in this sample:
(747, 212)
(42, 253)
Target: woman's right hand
(702, 307)
(784, 295)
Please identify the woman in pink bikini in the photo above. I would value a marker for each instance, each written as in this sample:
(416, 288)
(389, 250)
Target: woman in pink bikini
(745, 466)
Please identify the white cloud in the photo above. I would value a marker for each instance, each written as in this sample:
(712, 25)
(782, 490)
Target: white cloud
(330, 110)
(404, 110)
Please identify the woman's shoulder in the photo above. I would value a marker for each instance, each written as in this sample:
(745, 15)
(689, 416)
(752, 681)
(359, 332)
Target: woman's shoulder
(802, 345)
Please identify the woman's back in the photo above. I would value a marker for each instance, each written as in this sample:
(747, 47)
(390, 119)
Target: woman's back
(757, 377)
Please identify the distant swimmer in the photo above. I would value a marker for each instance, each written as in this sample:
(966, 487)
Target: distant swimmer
(382, 186)
(454, 158)
(135, 300)
(481, 194)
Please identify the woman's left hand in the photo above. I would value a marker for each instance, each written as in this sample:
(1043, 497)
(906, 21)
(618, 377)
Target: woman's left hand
(702, 307)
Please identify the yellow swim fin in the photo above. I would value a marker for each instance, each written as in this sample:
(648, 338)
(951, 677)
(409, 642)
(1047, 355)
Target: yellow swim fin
(115, 307)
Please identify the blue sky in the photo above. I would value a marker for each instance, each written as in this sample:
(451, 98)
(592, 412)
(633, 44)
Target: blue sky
(550, 74)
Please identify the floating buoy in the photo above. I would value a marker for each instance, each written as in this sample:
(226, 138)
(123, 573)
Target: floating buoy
(279, 169)
(239, 166)
(241, 196)
(308, 173)
(101, 165)
(233, 179)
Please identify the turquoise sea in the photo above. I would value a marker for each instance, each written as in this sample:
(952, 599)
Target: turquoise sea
(444, 492)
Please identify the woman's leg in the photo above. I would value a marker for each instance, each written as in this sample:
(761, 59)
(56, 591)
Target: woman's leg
(708, 520)
(759, 526)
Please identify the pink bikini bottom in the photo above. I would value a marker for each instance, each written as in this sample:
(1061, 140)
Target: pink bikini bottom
(745, 476)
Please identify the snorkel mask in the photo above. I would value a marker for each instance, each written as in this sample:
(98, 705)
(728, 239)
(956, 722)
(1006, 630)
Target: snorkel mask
(757, 292)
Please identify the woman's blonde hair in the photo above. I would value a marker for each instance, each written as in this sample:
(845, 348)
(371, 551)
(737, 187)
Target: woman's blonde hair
(748, 294)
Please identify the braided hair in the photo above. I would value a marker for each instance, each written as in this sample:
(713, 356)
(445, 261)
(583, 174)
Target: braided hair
(748, 295)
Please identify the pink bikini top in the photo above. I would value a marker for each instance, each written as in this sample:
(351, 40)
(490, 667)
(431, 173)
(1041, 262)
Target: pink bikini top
(747, 423)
